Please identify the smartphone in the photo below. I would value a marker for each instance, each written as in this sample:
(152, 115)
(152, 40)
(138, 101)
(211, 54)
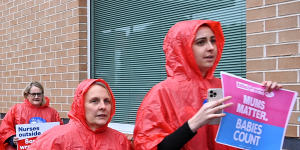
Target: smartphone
(214, 94)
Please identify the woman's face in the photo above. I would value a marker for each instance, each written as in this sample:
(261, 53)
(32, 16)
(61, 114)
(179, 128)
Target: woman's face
(205, 49)
(35, 96)
(97, 106)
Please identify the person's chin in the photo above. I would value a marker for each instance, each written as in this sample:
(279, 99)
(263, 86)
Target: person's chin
(102, 122)
(209, 65)
(36, 102)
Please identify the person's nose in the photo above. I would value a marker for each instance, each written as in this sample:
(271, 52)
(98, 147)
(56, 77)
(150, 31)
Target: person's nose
(102, 105)
(210, 46)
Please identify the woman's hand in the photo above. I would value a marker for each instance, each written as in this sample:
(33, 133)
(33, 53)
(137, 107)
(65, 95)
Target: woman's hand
(270, 86)
(208, 112)
(15, 140)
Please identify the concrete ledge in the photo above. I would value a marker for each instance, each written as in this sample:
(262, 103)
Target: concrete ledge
(291, 143)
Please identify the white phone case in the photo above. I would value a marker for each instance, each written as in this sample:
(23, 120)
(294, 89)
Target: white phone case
(214, 94)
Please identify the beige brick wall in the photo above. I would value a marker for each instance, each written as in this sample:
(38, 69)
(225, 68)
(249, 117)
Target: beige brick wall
(46, 41)
(273, 47)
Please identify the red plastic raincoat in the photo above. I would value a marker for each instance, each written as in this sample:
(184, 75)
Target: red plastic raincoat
(22, 113)
(1, 145)
(169, 104)
(77, 134)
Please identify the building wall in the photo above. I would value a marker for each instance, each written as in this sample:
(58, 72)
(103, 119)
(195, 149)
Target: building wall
(46, 41)
(273, 47)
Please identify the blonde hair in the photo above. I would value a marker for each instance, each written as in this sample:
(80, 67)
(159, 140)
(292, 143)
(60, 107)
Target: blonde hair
(103, 85)
(28, 88)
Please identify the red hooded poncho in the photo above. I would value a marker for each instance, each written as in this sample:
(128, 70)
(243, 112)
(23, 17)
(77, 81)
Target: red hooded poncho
(77, 134)
(169, 104)
(22, 113)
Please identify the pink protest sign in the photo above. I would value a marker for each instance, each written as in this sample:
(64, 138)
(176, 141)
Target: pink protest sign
(257, 119)
(251, 101)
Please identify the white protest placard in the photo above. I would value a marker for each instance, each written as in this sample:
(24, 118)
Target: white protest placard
(27, 133)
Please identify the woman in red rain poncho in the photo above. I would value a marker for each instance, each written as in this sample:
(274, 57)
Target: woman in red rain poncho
(172, 114)
(34, 109)
(92, 109)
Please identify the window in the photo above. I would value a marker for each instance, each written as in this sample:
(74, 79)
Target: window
(127, 38)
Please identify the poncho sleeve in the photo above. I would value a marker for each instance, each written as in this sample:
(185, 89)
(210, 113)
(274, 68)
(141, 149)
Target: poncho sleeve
(152, 122)
(49, 140)
(7, 127)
